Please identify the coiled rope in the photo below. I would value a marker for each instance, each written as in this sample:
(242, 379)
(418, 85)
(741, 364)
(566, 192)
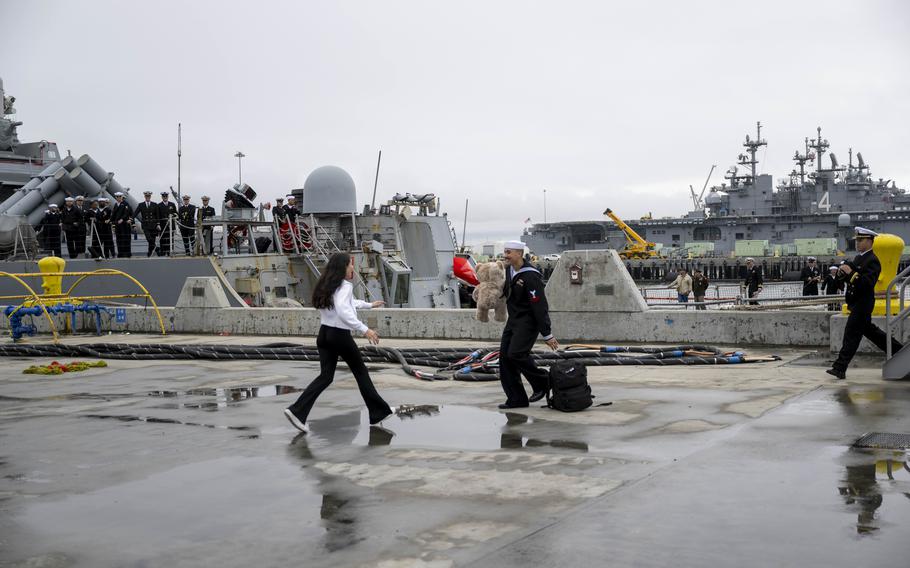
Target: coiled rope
(457, 363)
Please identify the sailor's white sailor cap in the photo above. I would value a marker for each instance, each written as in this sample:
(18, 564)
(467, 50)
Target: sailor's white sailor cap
(811, 259)
(864, 232)
(67, 199)
(103, 200)
(750, 259)
(80, 198)
(514, 245)
(118, 194)
(52, 206)
(832, 268)
(289, 197)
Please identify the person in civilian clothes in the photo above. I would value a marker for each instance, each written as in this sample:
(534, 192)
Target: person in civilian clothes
(333, 296)
(860, 274)
(699, 288)
(528, 317)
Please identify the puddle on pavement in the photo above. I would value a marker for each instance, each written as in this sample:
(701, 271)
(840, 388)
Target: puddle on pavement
(444, 426)
(223, 397)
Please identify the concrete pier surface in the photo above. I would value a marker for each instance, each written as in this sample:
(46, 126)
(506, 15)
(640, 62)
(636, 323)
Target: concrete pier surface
(192, 463)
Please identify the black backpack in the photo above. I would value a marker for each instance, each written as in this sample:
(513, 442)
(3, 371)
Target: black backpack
(569, 390)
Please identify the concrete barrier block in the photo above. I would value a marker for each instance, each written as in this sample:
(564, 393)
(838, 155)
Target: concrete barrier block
(605, 284)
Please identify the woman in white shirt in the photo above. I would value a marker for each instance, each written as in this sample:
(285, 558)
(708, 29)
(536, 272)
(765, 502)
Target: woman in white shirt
(334, 297)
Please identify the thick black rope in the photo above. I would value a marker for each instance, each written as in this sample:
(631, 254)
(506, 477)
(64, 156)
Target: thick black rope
(458, 363)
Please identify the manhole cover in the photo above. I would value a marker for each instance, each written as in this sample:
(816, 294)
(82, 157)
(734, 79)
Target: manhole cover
(884, 440)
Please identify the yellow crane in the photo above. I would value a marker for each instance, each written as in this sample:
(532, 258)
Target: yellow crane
(636, 247)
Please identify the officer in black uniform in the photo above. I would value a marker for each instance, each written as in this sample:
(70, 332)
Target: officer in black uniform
(122, 221)
(71, 217)
(186, 214)
(206, 212)
(149, 219)
(860, 275)
(50, 229)
(754, 280)
(810, 276)
(167, 211)
(528, 317)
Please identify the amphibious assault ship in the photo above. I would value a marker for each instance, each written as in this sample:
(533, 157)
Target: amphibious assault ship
(404, 248)
(811, 211)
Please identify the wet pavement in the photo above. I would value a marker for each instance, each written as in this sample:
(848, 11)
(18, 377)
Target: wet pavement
(184, 463)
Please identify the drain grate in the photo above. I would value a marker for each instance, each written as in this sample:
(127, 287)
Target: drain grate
(883, 440)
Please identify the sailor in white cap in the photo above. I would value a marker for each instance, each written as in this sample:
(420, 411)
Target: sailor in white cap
(291, 209)
(149, 218)
(122, 220)
(831, 285)
(528, 318)
(860, 274)
(754, 281)
(71, 219)
(811, 276)
(50, 230)
(105, 226)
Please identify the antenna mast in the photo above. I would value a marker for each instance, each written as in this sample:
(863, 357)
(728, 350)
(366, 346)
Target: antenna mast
(376, 182)
(179, 154)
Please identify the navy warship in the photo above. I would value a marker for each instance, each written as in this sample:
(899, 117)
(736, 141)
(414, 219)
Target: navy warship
(811, 211)
(404, 248)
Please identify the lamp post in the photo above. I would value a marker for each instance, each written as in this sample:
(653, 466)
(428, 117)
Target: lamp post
(240, 156)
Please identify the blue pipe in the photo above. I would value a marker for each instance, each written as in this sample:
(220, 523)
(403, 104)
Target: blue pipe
(19, 329)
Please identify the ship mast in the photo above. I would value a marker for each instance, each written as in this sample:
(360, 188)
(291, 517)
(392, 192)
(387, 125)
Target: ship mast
(801, 159)
(752, 147)
(820, 146)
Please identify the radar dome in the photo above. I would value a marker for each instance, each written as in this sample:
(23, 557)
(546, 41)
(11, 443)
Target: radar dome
(329, 189)
(843, 220)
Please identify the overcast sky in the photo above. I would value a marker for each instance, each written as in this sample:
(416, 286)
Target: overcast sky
(600, 103)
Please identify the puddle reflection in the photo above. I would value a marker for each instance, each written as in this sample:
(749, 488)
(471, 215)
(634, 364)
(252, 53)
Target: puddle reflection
(865, 485)
(223, 396)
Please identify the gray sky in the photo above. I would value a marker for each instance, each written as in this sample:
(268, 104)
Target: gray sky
(601, 103)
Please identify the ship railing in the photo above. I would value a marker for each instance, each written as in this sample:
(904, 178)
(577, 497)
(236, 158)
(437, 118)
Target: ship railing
(898, 283)
(325, 247)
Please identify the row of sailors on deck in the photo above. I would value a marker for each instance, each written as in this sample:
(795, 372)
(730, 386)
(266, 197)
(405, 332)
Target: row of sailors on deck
(92, 230)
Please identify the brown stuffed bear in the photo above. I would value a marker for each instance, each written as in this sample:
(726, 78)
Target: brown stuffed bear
(488, 294)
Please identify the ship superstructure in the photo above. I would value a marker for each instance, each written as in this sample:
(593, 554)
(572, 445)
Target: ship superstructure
(818, 203)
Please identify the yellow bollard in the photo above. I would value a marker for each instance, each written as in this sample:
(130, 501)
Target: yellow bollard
(888, 248)
(52, 284)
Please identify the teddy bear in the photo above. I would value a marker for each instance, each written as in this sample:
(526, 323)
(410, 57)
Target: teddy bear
(488, 294)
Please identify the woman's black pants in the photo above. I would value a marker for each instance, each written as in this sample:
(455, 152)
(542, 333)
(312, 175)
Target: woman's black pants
(333, 343)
